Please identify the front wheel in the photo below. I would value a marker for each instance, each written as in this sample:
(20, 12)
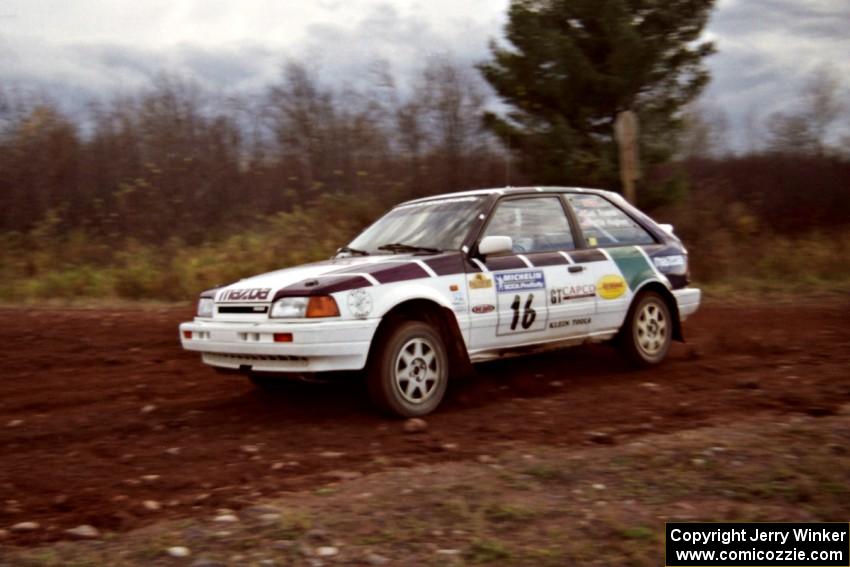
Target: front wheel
(647, 332)
(409, 370)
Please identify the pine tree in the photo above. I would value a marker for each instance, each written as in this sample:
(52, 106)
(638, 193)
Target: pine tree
(572, 65)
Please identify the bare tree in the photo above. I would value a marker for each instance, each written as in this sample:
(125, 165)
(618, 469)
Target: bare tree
(704, 133)
(807, 131)
(453, 99)
(823, 102)
(175, 160)
(302, 119)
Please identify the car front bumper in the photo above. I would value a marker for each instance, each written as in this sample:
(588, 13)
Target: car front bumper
(322, 346)
(687, 300)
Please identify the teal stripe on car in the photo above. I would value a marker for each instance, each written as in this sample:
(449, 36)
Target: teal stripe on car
(632, 265)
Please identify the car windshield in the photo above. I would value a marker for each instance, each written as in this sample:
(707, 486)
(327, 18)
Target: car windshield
(420, 227)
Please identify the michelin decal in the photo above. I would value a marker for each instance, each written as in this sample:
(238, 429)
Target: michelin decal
(512, 282)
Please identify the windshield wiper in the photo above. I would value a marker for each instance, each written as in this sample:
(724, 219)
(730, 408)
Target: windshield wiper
(401, 247)
(352, 251)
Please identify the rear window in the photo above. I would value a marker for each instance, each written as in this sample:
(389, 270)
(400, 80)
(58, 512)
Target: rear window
(605, 224)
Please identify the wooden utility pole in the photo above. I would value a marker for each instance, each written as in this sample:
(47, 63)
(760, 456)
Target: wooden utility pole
(626, 134)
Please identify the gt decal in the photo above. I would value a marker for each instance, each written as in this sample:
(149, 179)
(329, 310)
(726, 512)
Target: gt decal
(611, 287)
(255, 294)
(510, 282)
(480, 281)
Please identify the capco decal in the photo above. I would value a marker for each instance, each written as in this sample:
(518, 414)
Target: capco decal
(563, 294)
(252, 294)
(480, 281)
(611, 287)
(479, 309)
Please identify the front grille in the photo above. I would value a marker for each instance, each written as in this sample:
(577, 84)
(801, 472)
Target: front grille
(242, 309)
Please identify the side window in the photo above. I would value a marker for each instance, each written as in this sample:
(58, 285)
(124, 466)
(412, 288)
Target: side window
(604, 224)
(537, 224)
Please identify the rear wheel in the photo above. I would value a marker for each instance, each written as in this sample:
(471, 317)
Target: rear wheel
(647, 332)
(408, 373)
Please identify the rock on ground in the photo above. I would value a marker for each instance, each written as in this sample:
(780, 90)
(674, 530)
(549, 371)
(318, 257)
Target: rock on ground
(415, 425)
(179, 551)
(84, 531)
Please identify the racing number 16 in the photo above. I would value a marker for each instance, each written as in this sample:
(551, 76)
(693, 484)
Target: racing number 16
(528, 312)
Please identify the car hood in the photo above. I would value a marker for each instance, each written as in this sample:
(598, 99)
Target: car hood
(338, 274)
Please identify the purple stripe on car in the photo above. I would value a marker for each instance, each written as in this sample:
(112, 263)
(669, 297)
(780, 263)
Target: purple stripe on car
(542, 259)
(505, 263)
(585, 256)
(448, 264)
(401, 273)
(322, 286)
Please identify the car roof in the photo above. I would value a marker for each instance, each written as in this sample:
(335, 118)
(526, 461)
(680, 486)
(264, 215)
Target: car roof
(512, 191)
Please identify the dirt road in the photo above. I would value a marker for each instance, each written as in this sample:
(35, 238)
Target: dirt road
(105, 421)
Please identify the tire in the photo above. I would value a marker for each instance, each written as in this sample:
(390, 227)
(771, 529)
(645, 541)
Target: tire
(648, 330)
(409, 370)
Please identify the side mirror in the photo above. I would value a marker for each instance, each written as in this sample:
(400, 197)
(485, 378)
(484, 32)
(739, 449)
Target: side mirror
(668, 228)
(495, 245)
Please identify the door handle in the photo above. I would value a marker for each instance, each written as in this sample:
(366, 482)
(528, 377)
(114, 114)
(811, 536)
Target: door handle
(575, 269)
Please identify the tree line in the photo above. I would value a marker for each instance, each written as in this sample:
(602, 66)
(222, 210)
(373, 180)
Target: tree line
(175, 160)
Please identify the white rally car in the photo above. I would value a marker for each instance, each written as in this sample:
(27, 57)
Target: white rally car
(441, 282)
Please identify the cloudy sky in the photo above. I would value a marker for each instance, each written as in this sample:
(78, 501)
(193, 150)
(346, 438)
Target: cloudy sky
(76, 48)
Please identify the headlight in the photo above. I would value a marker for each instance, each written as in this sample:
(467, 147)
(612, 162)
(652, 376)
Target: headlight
(300, 307)
(290, 308)
(205, 307)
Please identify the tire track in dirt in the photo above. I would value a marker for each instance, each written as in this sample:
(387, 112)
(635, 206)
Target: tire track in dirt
(100, 410)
